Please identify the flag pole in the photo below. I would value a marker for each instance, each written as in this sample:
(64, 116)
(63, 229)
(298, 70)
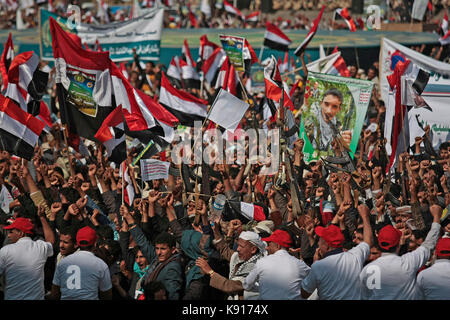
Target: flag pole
(72, 169)
(260, 54)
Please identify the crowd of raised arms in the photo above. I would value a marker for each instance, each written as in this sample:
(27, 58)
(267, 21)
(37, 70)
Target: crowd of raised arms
(346, 234)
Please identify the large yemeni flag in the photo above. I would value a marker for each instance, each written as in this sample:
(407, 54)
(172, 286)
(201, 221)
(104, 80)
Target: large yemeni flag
(184, 106)
(19, 130)
(91, 86)
(145, 119)
(112, 135)
(84, 86)
(348, 20)
(5, 61)
(27, 84)
(301, 48)
(275, 39)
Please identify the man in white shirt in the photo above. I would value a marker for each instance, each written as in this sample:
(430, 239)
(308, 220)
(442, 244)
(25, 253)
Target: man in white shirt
(393, 277)
(22, 261)
(434, 282)
(82, 275)
(335, 275)
(279, 274)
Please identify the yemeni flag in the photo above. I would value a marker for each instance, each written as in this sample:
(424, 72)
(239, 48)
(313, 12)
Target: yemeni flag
(268, 110)
(5, 61)
(112, 135)
(231, 9)
(189, 75)
(339, 66)
(400, 110)
(348, 20)
(211, 66)
(252, 17)
(26, 82)
(249, 56)
(184, 106)
(228, 78)
(186, 54)
(84, 86)
(19, 130)
(274, 85)
(145, 118)
(174, 72)
(302, 47)
(275, 39)
(192, 19)
(244, 211)
(206, 49)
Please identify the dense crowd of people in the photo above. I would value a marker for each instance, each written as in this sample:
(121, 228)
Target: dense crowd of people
(346, 235)
(292, 14)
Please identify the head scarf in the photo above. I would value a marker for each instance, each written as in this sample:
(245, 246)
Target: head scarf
(254, 239)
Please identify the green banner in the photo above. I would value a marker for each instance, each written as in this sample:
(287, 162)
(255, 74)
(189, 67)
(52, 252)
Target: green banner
(333, 106)
(234, 47)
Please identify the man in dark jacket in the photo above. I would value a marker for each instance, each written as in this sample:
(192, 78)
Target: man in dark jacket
(164, 261)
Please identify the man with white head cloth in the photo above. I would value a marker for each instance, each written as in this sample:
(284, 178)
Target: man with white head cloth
(250, 249)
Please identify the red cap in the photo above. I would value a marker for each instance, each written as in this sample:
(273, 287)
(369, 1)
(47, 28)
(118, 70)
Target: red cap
(23, 224)
(389, 237)
(281, 237)
(86, 237)
(332, 235)
(443, 247)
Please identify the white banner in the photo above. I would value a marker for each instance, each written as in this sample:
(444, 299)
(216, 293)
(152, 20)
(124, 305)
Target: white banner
(436, 93)
(152, 169)
(119, 38)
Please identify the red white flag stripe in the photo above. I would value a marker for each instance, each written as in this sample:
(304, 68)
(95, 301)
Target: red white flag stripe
(231, 9)
(206, 47)
(213, 63)
(180, 100)
(174, 70)
(273, 33)
(252, 17)
(348, 20)
(18, 122)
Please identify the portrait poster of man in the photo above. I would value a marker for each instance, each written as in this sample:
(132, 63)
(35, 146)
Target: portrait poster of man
(334, 106)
